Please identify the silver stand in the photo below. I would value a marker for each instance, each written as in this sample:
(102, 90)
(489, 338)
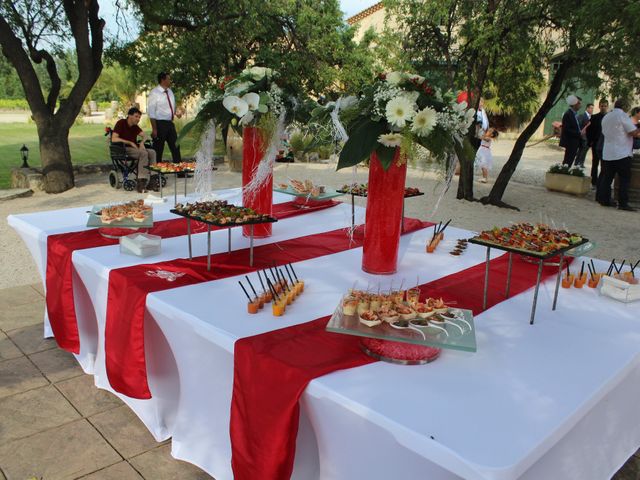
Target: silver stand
(486, 280)
(175, 189)
(537, 287)
(160, 177)
(208, 247)
(251, 245)
(353, 212)
(555, 294)
(229, 242)
(189, 237)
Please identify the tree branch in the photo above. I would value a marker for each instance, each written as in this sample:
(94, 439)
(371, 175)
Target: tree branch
(14, 51)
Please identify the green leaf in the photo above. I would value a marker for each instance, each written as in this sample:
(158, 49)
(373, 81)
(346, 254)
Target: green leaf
(363, 139)
(186, 129)
(262, 108)
(385, 155)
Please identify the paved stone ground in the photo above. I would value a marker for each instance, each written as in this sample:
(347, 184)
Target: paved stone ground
(55, 424)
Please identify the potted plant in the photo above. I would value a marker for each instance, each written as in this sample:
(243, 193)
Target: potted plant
(562, 178)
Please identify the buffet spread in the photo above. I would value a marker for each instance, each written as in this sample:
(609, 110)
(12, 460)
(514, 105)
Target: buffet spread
(421, 317)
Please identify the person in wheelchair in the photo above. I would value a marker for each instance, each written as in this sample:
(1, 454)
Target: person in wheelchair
(127, 131)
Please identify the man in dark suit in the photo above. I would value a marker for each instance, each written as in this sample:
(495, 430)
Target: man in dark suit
(594, 132)
(570, 136)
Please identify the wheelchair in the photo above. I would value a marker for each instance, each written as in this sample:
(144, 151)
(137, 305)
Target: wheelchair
(124, 173)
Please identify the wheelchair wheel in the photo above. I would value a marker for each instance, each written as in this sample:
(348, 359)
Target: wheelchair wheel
(114, 179)
(163, 180)
(129, 185)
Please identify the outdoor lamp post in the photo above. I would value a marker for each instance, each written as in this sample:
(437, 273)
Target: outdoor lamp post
(24, 153)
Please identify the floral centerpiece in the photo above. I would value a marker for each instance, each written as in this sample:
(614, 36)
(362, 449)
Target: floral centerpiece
(255, 105)
(400, 110)
(393, 115)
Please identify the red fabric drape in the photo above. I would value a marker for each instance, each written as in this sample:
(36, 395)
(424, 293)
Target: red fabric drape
(272, 370)
(60, 247)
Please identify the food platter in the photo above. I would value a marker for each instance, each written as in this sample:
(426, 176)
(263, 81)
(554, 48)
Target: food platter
(360, 190)
(545, 242)
(325, 195)
(221, 214)
(143, 220)
(454, 330)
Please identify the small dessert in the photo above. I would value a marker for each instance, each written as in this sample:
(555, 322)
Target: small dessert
(349, 306)
(363, 304)
(406, 313)
(369, 318)
(388, 315)
(413, 295)
(375, 303)
(423, 310)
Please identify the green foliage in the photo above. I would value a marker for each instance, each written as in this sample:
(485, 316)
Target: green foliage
(363, 140)
(13, 104)
(200, 43)
(115, 83)
(566, 170)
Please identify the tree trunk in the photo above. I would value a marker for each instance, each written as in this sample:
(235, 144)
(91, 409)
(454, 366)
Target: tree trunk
(465, 180)
(56, 158)
(509, 168)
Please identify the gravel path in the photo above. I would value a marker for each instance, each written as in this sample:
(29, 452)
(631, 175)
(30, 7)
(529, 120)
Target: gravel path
(614, 231)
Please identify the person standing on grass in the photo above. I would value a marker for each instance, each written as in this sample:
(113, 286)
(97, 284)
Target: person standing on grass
(619, 132)
(570, 136)
(126, 130)
(594, 132)
(161, 108)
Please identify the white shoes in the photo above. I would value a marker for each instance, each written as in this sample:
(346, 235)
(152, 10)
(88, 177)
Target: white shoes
(483, 180)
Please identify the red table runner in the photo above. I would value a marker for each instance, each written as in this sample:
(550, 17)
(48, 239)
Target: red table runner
(272, 370)
(60, 247)
(129, 286)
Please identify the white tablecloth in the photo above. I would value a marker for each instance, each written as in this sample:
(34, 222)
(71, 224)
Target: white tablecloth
(553, 400)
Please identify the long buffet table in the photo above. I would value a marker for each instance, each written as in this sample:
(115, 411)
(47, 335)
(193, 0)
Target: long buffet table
(554, 400)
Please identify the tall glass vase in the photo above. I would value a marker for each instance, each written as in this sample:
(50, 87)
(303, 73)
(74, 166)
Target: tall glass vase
(261, 200)
(384, 216)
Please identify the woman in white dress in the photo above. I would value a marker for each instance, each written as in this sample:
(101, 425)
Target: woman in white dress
(484, 158)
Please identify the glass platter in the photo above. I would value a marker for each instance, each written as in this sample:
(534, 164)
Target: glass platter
(329, 193)
(95, 221)
(460, 333)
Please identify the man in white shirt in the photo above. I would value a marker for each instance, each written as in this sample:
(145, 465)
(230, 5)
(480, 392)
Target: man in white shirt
(618, 131)
(161, 108)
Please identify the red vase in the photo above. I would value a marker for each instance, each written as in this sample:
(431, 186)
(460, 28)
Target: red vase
(384, 216)
(253, 150)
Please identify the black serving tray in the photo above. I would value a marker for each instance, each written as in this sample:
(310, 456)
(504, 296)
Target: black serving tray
(346, 192)
(529, 253)
(224, 225)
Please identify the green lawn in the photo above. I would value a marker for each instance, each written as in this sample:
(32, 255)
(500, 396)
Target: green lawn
(87, 142)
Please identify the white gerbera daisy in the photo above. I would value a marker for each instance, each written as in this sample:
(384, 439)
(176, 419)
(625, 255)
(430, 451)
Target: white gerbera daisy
(424, 121)
(252, 99)
(399, 111)
(235, 105)
(394, 78)
(390, 139)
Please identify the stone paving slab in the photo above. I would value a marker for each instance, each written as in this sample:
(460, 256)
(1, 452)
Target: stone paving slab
(30, 339)
(31, 412)
(119, 471)
(56, 364)
(66, 452)
(124, 431)
(19, 375)
(158, 464)
(7, 348)
(18, 296)
(16, 315)
(86, 397)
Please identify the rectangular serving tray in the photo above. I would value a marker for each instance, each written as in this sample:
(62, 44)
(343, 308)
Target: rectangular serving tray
(224, 225)
(346, 192)
(329, 193)
(519, 251)
(95, 221)
(454, 338)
